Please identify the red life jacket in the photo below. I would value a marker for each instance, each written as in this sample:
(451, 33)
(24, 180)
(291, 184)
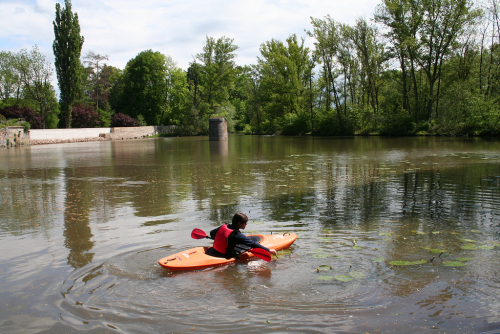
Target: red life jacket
(220, 240)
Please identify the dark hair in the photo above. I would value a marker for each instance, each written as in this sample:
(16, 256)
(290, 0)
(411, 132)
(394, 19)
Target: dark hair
(239, 218)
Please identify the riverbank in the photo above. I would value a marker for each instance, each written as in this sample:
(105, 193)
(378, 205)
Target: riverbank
(15, 136)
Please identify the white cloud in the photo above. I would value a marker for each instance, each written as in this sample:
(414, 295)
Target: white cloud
(123, 28)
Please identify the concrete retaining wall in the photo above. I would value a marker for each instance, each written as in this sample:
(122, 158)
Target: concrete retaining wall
(52, 136)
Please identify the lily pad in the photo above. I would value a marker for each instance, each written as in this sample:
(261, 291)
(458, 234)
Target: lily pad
(486, 247)
(469, 247)
(283, 253)
(436, 232)
(357, 274)
(406, 263)
(324, 278)
(453, 264)
(320, 255)
(357, 247)
(324, 239)
(323, 267)
(379, 259)
(467, 240)
(343, 278)
(437, 250)
(464, 259)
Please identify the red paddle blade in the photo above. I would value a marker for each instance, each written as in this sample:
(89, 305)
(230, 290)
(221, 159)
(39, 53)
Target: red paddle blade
(198, 234)
(261, 254)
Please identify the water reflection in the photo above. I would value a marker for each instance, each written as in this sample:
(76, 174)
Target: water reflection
(100, 215)
(77, 232)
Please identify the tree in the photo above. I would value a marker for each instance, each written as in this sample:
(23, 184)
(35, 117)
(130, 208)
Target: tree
(35, 74)
(145, 87)
(211, 80)
(285, 72)
(67, 50)
(424, 33)
(95, 70)
(10, 82)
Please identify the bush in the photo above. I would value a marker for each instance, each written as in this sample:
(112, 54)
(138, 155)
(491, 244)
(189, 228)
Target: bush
(25, 113)
(329, 124)
(121, 120)
(397, 123)
(293, 124)
(84, 116)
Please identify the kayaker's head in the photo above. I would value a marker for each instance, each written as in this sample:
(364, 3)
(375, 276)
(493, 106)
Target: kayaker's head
(240, 220)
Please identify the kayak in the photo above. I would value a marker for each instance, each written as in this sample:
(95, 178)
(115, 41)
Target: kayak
(196, 258)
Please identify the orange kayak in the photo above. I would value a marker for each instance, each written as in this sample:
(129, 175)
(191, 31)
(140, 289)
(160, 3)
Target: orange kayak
(195, 258)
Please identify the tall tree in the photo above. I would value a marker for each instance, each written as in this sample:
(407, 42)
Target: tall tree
(285, 73)
(67, 50)
(145, 87)
(211, 76)
(95, 69)
(36, 75)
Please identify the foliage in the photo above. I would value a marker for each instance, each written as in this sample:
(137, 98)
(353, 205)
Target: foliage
(284, 73)
(67, 49)
(143, 87)
(397, 123)
(23, 113)
(84, 116)
(121, 120)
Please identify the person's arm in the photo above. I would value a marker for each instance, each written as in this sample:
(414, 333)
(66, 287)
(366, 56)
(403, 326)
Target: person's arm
(242, 239)
(214, 232)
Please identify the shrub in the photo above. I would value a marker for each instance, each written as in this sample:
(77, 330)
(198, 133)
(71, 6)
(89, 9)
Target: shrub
(84, 116)
(121, 120)
(397, 123)
(25, 113)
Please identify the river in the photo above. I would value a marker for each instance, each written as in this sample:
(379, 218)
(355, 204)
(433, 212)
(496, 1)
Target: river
(394, 235)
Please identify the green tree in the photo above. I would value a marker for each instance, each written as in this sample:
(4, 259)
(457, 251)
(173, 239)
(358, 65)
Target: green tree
(145, 87)
(67, 50)
(94, 72)
(36, 74)
(10, 81)
(211, 79)
(285, 72)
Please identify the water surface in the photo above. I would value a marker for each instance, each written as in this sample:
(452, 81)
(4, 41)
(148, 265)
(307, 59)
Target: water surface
(82, 226)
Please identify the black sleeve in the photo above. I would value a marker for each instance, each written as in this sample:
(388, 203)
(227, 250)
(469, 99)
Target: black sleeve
(214, 232)
(242, 239)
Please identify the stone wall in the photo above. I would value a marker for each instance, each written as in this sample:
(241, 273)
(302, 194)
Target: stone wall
(54, 136)
(13, 136)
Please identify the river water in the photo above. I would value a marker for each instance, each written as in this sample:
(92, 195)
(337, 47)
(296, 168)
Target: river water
(394, 235)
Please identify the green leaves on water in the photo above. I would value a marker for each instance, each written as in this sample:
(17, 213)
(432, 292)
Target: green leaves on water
(469, 247)
(320, 255)
(468, 240)
(283, 253)
(406, 263)
(357, 274)
(323, 267)
(343, 278)
(453, 264)
(464, 259)
(486, 247)
(379, 259)
(437, 250)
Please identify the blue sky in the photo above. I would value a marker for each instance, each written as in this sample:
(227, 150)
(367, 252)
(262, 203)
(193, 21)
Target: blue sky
(121, 29)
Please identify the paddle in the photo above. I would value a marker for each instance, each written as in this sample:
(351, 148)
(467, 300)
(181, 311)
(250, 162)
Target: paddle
(258, 252)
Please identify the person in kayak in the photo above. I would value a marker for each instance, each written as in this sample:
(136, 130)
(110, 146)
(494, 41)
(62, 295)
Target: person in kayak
(229, 241)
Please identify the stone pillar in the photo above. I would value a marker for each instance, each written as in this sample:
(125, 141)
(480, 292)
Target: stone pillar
(217, 129)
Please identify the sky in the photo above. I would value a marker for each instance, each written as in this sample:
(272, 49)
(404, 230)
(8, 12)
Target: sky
(121, 29)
